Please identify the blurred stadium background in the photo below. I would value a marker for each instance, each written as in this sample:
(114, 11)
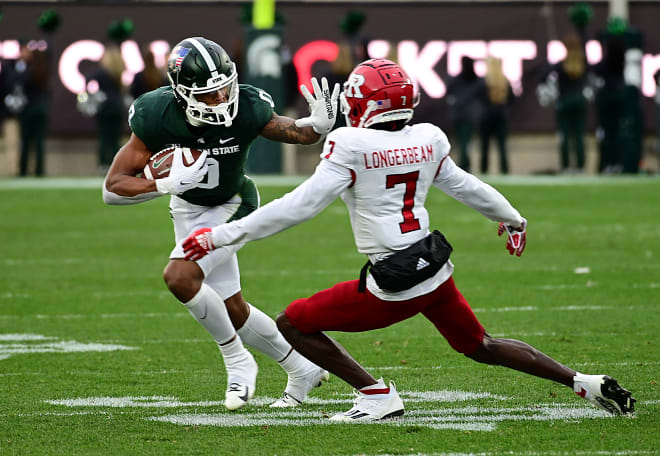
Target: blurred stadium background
(279, 51)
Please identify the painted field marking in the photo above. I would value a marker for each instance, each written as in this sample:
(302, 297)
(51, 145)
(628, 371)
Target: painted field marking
(463, 419)
(132, 401)
(259, 401)
(466, 418)
(23, 337)
(64, 346)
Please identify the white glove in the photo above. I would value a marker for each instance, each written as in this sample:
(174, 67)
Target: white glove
(322, 107)
(182, 178)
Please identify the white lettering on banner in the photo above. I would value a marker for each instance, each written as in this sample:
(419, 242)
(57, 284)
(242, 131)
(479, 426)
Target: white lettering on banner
(555, 51)
(72, 56)
(130, 52)
(477, 50)
(419, 65)
(78, 51)
(378, 49)
(10, 49)
(650, 64)
(594, 52)
(512, 54)
(161, 50)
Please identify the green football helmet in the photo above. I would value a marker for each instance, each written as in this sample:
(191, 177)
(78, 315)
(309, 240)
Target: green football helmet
(196, 66)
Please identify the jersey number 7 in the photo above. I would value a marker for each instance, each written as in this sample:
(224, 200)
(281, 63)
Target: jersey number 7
(410, 223)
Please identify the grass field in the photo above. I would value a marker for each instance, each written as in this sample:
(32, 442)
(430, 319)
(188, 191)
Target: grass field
(97, 358)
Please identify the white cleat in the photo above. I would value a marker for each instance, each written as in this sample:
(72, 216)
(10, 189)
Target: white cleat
(604, 392)
(297, 388)
(242, 378)
(372, 407)
(237, 395)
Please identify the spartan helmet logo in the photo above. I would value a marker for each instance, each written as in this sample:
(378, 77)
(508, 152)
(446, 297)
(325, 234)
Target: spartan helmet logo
(263, 56)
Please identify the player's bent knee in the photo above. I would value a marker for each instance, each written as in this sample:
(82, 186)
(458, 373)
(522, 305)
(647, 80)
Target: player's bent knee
(183, 280)
(287, 329)
(484, 352)
(283, 323)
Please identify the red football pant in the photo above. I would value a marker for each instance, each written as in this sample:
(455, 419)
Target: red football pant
(344, 308)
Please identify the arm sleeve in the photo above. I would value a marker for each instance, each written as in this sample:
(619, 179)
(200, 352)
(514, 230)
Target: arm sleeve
(117, 200)
(475, 193)
(307, 200)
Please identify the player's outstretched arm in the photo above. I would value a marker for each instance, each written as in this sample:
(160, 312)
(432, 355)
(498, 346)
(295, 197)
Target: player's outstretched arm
(302, 203)
(307, 130)
(483, 198)
(283, 129)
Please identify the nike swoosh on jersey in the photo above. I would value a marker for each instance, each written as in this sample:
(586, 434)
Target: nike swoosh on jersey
(223, 141)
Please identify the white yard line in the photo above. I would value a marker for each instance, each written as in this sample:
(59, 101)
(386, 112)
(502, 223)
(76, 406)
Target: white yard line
(15, 344)
(21, 337)
(464, 419)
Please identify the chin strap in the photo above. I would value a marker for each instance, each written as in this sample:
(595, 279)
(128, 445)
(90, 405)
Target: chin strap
(371, 106)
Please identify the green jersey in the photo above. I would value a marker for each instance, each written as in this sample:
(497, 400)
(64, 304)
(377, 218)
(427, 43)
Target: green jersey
(159, 122)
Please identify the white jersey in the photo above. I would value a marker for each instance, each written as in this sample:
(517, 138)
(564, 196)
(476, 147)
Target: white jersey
(384, 178)
(393, 174)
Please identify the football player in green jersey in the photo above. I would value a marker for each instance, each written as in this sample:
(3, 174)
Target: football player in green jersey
(206, 109)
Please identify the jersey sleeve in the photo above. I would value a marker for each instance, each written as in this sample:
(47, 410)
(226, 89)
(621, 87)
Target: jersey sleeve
(304, 202)
(136, 118)
(336, 149)
(260, 102)
(475, 193)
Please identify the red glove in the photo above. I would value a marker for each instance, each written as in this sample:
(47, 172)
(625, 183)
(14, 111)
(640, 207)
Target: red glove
(517, 237)
(198, 244)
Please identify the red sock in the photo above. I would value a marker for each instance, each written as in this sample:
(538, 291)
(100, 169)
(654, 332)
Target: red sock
(377, 388)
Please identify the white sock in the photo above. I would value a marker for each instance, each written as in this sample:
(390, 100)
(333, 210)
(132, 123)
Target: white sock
(235, 355)
(296, 364)
(581, 378)
(210, 311)
(260, 332)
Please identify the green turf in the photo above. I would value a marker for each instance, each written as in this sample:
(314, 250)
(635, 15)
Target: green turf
(72, 269)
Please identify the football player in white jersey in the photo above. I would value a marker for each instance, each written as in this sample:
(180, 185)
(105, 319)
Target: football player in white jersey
(383, 169)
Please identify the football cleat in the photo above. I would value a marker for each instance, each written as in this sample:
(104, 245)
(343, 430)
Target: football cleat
(237, 395)
(297, 388)
(372, 407)
(604, 392)
(242, 378)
